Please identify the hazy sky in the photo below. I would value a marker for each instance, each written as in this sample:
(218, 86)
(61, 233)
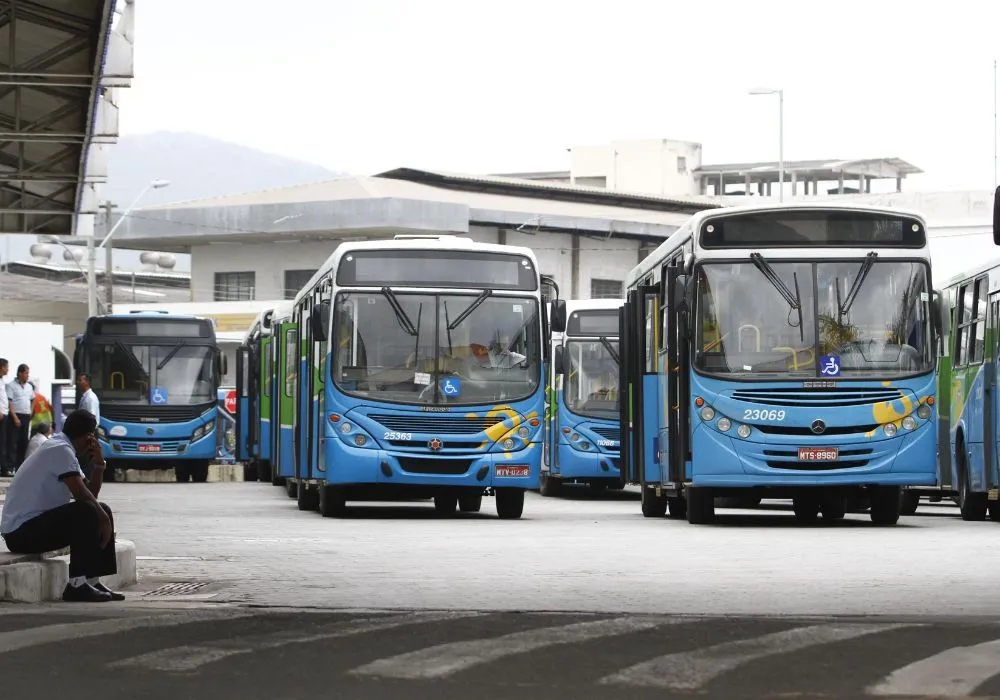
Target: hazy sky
(366, 85)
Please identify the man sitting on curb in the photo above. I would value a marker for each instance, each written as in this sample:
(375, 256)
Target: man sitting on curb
(39, 517)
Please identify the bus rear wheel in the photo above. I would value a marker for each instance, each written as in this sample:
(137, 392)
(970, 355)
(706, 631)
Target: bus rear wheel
(550, 486)
(700, 506)
(909, 501)
(653, 506)
(445, 505)
(510, 503)
(470, 503)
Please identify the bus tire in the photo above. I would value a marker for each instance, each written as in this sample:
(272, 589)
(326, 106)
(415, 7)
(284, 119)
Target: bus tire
(700, 506)
(885, 504)
(677, 507)
(470, 503)
(909, 501)
(833, 508)
(445, 505)
(510, 503)
(277, 480)
(306, 498)
(249, 471)
(332, 501)
(199, 472)
(973, 505)
(291, 488)
(994, 510)
(264, 470)
(653, 506)
(550, 486)
(806, 508)
(182, 473)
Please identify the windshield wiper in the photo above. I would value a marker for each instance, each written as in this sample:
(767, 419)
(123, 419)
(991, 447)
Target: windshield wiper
(793, 300)
(131, 356)
(170, 355)
(483, 296)
(852, 293)
(611, 349)
(404, 321)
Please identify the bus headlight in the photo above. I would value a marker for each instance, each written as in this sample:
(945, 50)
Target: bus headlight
(346, 428)
(101, 434)
(509, 444)
(198, 433)
(743, 431)
(924, 411)
(524, 431)
(910, 423)
(890, 429)
(707, 413)
(724, 424)
(575, 437)
(584, 445)
(360, 440)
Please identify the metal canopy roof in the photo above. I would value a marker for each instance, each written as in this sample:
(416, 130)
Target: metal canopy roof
(824, 170)
(52, 55)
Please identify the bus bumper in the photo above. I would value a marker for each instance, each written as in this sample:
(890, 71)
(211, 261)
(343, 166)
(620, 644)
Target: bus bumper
(574, 464)
(345, 464)
(726, 461)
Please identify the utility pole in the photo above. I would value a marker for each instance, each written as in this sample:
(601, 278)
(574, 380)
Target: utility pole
(109, 279)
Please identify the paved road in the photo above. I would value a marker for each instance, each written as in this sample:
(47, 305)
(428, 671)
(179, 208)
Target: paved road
(222, 652)
(252, 545)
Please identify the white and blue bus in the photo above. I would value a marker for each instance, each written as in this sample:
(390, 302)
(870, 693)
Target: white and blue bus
(157, 376)
(782, 351)
(421, 374)
(582, 431)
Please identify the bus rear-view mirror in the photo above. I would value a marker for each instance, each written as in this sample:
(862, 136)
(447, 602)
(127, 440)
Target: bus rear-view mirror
(559, 360)
(558, 320)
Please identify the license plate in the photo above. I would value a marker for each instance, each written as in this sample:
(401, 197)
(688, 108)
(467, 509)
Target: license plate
(513, 470)
(819, 454)
(149, 448)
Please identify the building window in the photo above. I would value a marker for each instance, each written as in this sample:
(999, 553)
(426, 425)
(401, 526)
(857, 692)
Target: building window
(605, 289)
(235, 286)
(295, 280)
(682, 164)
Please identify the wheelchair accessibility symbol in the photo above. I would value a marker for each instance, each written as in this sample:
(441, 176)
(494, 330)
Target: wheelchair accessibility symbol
(158, 396)
(829, 366)
(451, 387)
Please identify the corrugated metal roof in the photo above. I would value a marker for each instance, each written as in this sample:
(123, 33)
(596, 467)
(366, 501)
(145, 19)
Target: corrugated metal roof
(896, 165)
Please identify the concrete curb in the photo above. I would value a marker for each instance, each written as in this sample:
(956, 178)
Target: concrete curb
(216, 473)
(32, 579)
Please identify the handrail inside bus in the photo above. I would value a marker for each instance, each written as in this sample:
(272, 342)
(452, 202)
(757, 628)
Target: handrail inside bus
(756, 331)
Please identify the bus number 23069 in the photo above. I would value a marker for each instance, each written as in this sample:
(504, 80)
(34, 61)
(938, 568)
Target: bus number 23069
(763, 414)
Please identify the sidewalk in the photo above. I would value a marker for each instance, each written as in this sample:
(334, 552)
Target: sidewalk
(30, 578)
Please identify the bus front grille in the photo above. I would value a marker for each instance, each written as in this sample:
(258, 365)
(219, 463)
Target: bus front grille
(152, 414)
(818, 398)
(435, 425)
(420, 465)
(609, 433)
(805, 430)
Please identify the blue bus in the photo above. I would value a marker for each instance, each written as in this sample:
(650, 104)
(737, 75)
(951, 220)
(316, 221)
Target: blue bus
(782, 351)
(421, 374)
(255, 397)
(157, 376)
(582, 431)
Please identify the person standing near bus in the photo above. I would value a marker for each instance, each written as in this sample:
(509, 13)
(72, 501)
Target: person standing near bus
(20, 393)
(92, 405)
(6, 458)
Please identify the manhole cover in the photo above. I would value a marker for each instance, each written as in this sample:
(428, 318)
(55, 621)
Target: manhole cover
(180, 588)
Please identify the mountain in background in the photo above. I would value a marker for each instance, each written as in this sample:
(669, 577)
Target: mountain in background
(197, 167)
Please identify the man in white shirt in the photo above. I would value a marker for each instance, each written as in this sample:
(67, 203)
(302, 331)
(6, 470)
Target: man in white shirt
(88, 399)
(6, 468)
(38, 515)
(39, 434)
(21, 395)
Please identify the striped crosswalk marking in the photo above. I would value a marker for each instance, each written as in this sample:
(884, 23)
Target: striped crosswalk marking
(48, 634)
(955, 672)
(446, 659)
(693, 669)
(191, 657)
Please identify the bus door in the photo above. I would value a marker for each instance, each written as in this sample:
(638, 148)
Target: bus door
(637, 381)
(674, 442)
(991, 406)
(553, 385)
(284, 391)
(242, 404)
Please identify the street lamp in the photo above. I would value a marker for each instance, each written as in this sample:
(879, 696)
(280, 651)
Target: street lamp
(781, 134)
(92, 250)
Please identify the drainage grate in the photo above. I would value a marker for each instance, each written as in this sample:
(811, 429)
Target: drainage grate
(181, 588)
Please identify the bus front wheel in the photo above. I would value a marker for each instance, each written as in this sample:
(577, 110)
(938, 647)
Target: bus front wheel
(332, 501)
(700, 506)
(885, 504)
(510, 503)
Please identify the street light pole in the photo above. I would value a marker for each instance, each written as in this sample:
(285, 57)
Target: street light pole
(781, 134)
(92, 249)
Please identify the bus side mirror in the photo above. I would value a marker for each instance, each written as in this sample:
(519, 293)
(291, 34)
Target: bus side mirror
(320, 321)
(558, 320)
(559, 361)
(996, 217)
(223, 364)
(942, 319)
(682, 304)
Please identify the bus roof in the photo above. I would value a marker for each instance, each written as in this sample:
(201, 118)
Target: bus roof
(592, 304)
(685, 233)
(280, 310)
(424, 242)
(970, 273)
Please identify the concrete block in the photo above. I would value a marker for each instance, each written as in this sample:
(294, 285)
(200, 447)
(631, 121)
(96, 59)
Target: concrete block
(216, 473)
(32, 581)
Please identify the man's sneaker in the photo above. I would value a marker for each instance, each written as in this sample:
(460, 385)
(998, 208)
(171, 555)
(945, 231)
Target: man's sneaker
(84, 594)
(115, 595)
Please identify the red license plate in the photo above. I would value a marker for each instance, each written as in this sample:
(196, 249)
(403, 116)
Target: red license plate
(819, 454)
(149, 448)
(513, 470)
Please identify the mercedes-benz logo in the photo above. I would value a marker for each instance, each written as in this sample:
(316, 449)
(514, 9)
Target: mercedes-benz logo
(435, 444)
(149, 431)
(818, 427)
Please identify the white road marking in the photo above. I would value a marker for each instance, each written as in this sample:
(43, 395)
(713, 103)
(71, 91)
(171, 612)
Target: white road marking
(691, 670)
(49, 634)
(446, 659)
(955, 672)
(191, 657)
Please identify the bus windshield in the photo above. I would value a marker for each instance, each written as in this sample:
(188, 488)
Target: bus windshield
(855, 318)
(431, 349)
(172, 374)
(591, 384)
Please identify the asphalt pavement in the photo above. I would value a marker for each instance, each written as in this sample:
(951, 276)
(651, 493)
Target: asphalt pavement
(241, 595)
